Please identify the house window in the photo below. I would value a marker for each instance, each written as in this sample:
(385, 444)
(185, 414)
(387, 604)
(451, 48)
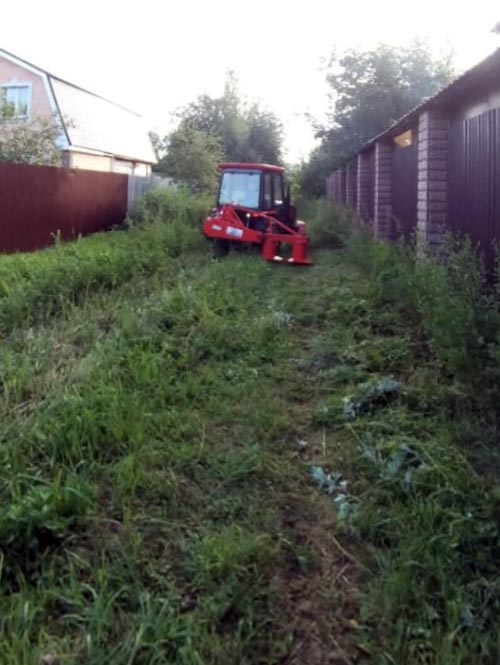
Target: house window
(15, 100)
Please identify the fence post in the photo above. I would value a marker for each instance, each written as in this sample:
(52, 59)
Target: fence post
(383, 190)
(432, 178)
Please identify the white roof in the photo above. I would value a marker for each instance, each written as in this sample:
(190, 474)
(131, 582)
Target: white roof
(96, 124)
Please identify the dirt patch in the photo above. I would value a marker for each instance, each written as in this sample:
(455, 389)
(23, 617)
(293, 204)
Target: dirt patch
(319, 601)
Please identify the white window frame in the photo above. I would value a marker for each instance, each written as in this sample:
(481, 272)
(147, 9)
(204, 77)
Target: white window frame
(18, 84)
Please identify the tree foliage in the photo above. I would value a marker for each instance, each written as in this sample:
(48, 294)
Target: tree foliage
(32, 141)
(232, 129)
(369, 91)
(191, 158)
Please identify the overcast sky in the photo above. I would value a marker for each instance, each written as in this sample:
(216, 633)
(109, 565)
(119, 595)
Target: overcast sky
(154, 55)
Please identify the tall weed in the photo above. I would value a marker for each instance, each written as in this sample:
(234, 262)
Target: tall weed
(34, 287)
(327, 225)
(169, 205)
(447, 298)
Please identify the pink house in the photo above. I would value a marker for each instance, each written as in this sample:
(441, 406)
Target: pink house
(96, 134)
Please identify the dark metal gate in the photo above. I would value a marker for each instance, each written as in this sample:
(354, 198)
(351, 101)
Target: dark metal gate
(473, 180)
(404, 186)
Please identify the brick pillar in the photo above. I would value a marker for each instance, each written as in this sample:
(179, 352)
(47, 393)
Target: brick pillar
(328, 188)
(383, 190)
(350, 188)
(342, 184)
(432, 178)
(363, 187)
(338, 188)
(332, 187)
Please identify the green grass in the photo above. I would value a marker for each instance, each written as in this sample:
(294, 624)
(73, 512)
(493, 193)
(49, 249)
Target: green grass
(160, 413)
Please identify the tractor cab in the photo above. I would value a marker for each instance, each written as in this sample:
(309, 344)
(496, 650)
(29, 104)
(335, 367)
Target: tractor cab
(258, 188)
(254, 208)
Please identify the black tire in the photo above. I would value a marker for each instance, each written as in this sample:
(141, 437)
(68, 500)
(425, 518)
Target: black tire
(221, 248)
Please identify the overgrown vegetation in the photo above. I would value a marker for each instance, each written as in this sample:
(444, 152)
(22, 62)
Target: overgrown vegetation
(161, 415)
(370, 89)
(423, 457)
(151, 511)
(211, 129)
(26, 139)
(33, 141)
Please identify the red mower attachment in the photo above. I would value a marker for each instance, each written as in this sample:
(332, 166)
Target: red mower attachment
(252, 208)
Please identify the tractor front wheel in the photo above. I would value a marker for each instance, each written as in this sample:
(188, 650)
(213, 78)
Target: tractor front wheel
(221, 248)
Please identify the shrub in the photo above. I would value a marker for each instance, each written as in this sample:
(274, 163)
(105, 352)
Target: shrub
(446, 297)
(327, 225)
(36, 286)
(168, 205)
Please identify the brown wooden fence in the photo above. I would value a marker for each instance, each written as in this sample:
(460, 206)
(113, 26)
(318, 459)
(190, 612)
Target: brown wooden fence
(37, 202)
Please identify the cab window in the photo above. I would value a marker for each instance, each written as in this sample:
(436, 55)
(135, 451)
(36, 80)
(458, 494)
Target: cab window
(278, 190)
(240, 188)
(267, 202)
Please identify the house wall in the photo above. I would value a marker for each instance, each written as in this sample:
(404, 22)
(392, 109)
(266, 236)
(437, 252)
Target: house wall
(89, 162)
(12, 73)
(143, 170)
(475, 103)
(80, 160)
(131, 168)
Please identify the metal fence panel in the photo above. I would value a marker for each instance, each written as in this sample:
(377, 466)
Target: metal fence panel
(139, 185)
(38, 202)
(473, 180)
(370, 182)
(404, 186)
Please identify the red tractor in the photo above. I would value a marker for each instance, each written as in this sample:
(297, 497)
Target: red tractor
(253, 208)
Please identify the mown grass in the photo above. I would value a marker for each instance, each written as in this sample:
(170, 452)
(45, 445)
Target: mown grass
(146, 441)
(159, 416)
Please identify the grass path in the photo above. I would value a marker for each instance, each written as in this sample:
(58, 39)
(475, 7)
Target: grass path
(157, 437)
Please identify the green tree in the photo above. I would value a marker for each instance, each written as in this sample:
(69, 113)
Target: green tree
(191, 157)
(30, 141)
(264, 137)
(370, 90)
(314, 172)
(245, 131)
(157, 144)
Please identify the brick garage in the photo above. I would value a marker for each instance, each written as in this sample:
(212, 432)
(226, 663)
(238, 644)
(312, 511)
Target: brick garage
(438, 167)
